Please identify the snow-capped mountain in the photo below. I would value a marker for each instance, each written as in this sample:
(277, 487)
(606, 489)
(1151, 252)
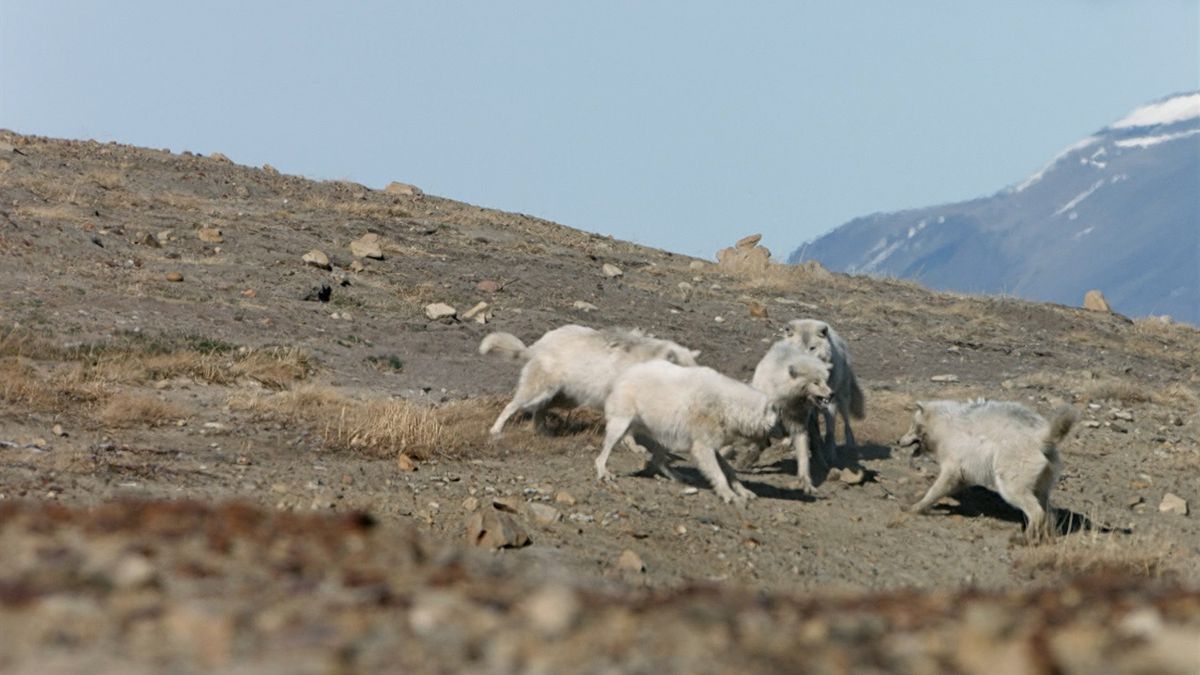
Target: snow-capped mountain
(1118, 211)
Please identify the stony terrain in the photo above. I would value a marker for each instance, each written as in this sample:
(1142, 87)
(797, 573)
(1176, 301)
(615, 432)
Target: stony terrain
(205, 466)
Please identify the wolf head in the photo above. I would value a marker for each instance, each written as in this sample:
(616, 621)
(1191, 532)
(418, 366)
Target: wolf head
(810, 335)
(804, 378)
(916, 436)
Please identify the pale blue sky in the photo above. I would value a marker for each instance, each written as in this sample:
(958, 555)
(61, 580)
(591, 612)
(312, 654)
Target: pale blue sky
(678, 125)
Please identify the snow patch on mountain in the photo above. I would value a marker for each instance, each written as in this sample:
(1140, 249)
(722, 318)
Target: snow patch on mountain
(1147, 141)
(1079, 197)
(1168, 111)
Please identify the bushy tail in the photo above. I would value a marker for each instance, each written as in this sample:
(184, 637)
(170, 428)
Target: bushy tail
(506, 344)
(1065, 417)
(858, 403)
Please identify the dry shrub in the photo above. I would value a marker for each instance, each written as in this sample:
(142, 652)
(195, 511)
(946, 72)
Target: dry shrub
(127, 409)
(51, 390)
(1117, 390)
(382, 427)
(275, 367)
(1094, 551)
(1129, 391)
(108, 179)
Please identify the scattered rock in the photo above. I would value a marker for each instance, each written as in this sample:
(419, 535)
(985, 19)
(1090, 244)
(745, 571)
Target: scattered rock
(584, 306)
(611, 271)
(757, 309)
(543, 514)
(320, 293)
(405, 463)
(163, 237)
(174, 276)
(697, 265)
(367, 246)
(488, 286)
(1176, 420)
(944, 378)
(565, 498)
(1173, 503)
(630, 562)
(481, 313)
(357, 266)
(133, 571)
(1135, 502)
(318, 259)
(470, 504)
(1124, 415)
(685, 291)
(58, 430)
(753, 260)
(852, 476)
(748, 241)
(270, 170)
(440, 310)
(404, 189)
(553, 610)
(249, 293)
(211, 235)
(147, 239)
(494, 529)
(220, 157)
(689, 490)
(1095, 301)
(1091, 424)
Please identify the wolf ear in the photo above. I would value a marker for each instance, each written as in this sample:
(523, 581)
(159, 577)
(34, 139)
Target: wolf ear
(695, 353)
(823, 331)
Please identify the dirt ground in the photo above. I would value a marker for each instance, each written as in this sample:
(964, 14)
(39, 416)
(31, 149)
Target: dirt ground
(205, 467)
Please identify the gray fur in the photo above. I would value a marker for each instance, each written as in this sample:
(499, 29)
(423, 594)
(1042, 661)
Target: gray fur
(822, 341)
(1002, 446)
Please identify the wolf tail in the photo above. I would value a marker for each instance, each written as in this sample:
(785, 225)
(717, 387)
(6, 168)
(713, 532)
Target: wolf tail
(1064, 418)
(858, 403)
(506, 344)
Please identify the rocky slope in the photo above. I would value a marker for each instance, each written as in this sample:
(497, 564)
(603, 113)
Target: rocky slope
(205, 466)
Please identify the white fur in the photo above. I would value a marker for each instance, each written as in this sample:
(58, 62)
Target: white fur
(1002, 446)
(700, 410)
(821, 340)
(575, 365)
(799, 415)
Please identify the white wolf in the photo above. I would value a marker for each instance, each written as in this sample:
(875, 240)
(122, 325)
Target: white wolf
(821, 340)
(701, 410)
(1002, 446)
(799, 414)
(575, 366)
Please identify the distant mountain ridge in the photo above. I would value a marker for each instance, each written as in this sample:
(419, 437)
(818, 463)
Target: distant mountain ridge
(1118, 211)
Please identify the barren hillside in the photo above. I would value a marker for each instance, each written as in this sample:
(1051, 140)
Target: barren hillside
(204, 465)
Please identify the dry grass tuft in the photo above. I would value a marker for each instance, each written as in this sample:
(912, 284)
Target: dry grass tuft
(127, 409)
(381, 427)
(1093, 551)
(48, 389)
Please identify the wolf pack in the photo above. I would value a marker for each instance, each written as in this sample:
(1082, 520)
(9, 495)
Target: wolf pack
(658, 401)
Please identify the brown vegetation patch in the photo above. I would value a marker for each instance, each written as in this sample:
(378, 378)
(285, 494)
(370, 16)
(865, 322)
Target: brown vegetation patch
(128, 409)
(1096, 552)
